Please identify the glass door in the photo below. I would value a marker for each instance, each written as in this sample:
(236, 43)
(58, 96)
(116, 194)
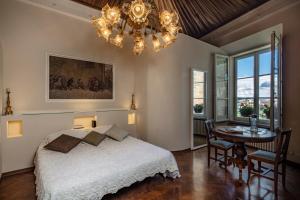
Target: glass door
(198, 108)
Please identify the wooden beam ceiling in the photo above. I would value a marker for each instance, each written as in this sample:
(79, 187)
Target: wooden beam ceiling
(197, 17)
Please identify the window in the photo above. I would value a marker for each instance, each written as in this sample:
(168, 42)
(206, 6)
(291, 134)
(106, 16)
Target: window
(264, 63)
(199, 92)
(253, 86)
(245, 85)
(221, 100)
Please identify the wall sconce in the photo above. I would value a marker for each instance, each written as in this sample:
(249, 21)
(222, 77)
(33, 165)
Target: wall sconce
(131, 113)
(14, 128)
(131, 117)
(83, 122)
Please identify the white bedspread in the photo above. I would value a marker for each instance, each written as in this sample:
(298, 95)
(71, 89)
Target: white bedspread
(89, 172)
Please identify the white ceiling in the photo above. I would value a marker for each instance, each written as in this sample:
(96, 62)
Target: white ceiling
(66, 7)
(252, 41)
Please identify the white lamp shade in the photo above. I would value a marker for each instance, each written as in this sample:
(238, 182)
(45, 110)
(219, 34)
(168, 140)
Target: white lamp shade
(131, 118)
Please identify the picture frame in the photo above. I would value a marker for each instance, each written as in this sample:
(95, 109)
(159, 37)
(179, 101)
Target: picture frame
(60, 89)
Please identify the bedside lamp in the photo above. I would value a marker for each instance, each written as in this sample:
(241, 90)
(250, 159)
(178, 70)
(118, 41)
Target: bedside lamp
(131, 113)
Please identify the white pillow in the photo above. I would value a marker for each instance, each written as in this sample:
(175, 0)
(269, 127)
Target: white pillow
(117, 133)
(102, 128)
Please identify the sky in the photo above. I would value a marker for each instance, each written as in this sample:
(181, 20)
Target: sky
(245, 69)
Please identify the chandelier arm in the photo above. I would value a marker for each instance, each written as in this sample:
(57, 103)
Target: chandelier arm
(124, 23)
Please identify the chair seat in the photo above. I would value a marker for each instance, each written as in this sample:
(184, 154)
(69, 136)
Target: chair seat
(222, 144)
(265, 155)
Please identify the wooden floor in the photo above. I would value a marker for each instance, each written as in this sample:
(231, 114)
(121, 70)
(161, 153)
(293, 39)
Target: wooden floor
(197, 182)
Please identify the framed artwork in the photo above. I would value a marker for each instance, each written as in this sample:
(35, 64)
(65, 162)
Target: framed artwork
(70, 79)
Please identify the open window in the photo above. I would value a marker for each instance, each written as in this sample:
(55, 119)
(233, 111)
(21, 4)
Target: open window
(276, 82)
(250, 83)
(221, 89)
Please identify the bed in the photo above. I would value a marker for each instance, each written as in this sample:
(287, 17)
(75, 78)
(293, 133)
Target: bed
(88, 172)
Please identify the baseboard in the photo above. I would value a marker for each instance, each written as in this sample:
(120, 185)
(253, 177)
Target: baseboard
(293, 164)
(183, 150)
(20, 171)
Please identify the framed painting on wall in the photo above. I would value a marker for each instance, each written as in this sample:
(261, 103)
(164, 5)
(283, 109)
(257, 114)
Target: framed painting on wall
(70, 79)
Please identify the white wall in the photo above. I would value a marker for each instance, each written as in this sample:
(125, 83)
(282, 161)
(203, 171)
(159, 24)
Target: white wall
(1, 74)
(29, 32)
(18, 152)
(1, 60)
(161, 80)
(252, 41)
(163, 91)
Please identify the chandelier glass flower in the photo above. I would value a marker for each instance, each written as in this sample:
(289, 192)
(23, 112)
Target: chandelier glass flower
(139, 20)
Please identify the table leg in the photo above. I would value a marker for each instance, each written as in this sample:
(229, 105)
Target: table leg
(240, 160)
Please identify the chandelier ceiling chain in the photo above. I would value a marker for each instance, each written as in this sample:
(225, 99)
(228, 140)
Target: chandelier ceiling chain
(141, 19)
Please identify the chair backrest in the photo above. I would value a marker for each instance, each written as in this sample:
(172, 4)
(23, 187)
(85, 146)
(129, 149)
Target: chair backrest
(283, 140)
(209, 126)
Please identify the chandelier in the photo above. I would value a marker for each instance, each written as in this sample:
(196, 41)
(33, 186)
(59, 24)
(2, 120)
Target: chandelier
(139, 20)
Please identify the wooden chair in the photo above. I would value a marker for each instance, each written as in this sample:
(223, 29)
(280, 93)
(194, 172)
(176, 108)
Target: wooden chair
(275, 159)
(213, 141)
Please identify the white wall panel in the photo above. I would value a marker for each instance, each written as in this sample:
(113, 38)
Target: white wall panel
(18, 153)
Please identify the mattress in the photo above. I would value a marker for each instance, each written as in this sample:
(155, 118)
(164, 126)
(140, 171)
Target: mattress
(89, 172)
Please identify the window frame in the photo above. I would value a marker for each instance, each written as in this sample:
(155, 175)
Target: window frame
(228, 84)
(256, 98)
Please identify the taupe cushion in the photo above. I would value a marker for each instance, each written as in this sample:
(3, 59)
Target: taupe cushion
(263, 154)
(222, 143)
(117, 133)
(94, 138)
(63, 143)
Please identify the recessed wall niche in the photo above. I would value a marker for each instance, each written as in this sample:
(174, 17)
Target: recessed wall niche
(14, 128)
(83, 122)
